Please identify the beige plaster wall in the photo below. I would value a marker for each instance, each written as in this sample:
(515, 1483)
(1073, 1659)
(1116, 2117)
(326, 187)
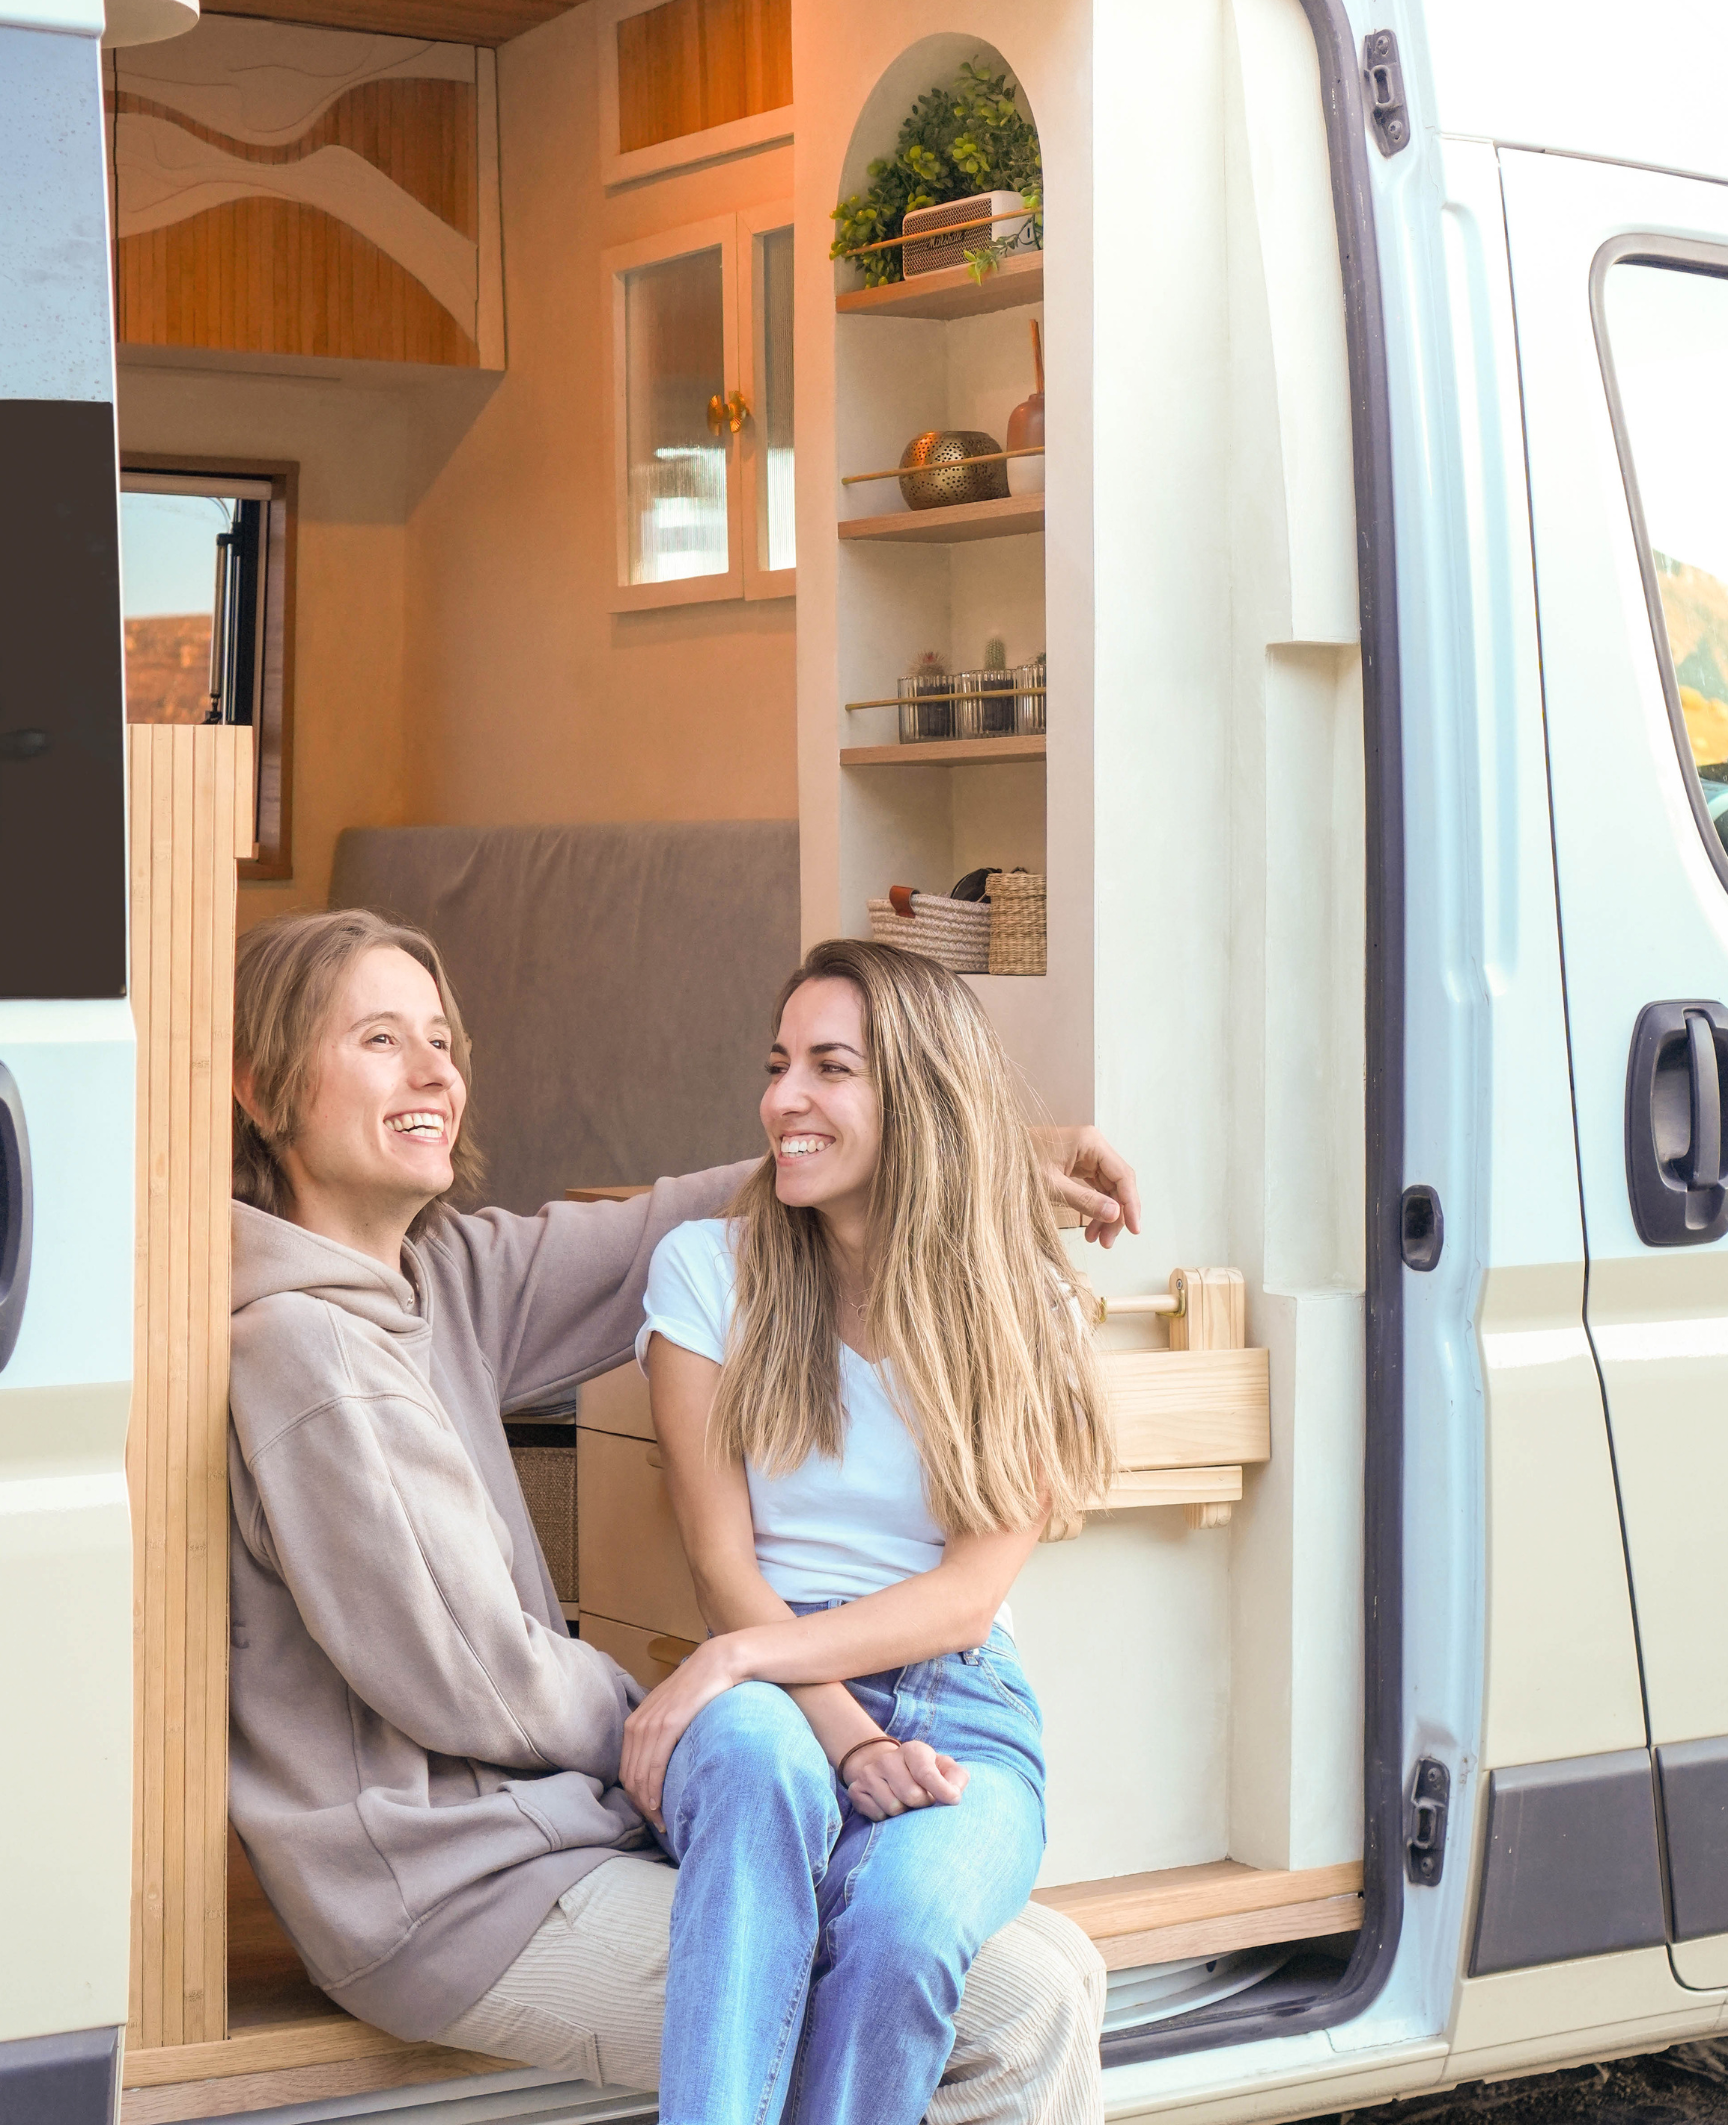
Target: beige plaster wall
(352, 446)
(530, 701)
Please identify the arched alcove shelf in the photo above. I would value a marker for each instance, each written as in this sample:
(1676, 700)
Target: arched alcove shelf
(940, 350)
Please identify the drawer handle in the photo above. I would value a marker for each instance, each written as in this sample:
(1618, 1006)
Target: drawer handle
(668, 1652)
(655, 1458)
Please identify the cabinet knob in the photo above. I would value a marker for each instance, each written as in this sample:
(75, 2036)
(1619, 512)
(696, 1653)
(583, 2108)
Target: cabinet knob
(655, 1458)
(732, 412)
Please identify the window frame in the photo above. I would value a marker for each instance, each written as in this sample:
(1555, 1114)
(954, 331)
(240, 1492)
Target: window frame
(715, 143)
(738, 237)
(272, 855)
(1683, 255)
(754, 224)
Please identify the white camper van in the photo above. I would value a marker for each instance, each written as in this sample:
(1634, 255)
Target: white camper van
(1350, 683)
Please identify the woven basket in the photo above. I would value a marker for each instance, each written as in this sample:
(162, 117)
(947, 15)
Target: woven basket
(956, 932)
(1017, 922)
(547, 1475)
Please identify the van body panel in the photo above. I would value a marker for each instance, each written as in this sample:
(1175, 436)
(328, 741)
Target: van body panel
(1644, 915)
(65, 1535)
(1544, 74)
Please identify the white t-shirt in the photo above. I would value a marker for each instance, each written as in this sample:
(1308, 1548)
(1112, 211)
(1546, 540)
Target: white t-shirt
(830, 1530)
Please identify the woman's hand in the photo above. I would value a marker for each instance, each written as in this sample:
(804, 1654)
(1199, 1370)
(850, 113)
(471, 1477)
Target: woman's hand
(657, 1725)
(1088, 1174)
(904, 1774)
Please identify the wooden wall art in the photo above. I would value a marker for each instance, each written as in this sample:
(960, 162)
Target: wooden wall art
(282, 190)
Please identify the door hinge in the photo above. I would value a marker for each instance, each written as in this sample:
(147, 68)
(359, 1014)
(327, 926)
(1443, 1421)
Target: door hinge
(1383, 79)
(1425, 1849)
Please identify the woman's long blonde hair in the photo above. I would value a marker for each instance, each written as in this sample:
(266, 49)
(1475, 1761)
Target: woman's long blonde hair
(978, 1316)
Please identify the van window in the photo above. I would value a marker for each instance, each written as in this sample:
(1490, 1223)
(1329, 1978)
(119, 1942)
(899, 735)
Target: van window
(1668, 340)
(207, 598)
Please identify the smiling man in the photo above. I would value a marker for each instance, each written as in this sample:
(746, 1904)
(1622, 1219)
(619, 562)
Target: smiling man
(425, 1764)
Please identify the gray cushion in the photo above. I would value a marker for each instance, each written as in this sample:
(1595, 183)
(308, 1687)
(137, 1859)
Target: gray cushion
(616, 981)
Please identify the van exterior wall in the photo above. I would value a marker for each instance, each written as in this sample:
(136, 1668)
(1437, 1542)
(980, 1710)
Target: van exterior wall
(532, 701)
(354, 446)
(1579, 99)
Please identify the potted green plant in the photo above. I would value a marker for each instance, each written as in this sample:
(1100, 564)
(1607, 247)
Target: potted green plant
(971, 136)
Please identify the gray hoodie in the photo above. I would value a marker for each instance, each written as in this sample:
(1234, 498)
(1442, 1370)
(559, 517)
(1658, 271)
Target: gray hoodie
(423, 1759)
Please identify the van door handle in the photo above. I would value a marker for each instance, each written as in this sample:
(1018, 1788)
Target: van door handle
(1704, 1164)
(17, 1213)
(1674, 1080)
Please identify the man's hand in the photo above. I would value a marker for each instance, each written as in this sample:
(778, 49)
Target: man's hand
(1087, 1174)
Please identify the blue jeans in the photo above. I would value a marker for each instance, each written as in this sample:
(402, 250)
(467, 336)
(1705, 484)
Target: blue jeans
(817, 1957)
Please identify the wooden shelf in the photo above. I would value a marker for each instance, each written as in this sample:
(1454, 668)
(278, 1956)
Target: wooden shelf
(950, 293)
(956, 525)
(1137, 1919)
(943, 752)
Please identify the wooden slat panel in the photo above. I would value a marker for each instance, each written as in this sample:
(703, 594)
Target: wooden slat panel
(1221, 1936)
(404, 2066)
(184, 783)
(1189, 1408)
(1175, 1896)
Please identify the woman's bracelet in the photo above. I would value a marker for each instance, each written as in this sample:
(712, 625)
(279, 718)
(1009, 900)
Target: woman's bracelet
(875, 1741)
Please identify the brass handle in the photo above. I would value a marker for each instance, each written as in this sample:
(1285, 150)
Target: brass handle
(732, 412)
(668, 1652)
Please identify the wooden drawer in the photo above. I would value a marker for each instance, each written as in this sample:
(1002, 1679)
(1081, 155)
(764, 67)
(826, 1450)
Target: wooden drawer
(630, 1563)
(648, 1655)
(618, 1402)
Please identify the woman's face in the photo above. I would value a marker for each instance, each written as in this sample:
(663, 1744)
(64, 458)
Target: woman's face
(820, 1110)
(387, 1101)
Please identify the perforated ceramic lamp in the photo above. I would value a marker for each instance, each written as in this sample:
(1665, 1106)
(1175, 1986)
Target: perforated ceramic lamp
(932, 475)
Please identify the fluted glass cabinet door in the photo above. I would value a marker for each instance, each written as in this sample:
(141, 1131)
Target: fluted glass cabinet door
(675, 449)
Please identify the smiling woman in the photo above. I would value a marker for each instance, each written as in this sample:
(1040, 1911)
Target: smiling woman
(350, 1082)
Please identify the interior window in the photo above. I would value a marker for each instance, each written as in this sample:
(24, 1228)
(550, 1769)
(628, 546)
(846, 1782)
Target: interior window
(1668, 335)
(206, 587)
(675, 362)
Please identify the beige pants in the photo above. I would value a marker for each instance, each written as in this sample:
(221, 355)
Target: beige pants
(588, 1994)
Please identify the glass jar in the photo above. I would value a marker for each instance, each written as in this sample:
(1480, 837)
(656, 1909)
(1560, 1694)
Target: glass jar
(926, 711)
(1029, 698)
(984, 707)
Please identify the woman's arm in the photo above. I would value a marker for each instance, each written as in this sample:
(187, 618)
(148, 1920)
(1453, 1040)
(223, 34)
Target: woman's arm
(920, 1618)
(711, 1503)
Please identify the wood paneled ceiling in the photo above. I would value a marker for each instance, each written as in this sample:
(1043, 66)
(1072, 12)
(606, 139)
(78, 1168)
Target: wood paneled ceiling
(450, 21)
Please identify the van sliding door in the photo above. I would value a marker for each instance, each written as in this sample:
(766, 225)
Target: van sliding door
(1620, 281)
(66, 1104)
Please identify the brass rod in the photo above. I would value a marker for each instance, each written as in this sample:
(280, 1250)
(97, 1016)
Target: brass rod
(942, 464)
(984, 693)
(948, 228)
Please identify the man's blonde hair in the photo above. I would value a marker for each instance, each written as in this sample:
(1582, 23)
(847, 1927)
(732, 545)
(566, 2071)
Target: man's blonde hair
(286, 974)
(978, 1315)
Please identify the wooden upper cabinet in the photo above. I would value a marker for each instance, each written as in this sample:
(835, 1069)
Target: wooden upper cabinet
(284, 190)
(688, 81)
(687, 65)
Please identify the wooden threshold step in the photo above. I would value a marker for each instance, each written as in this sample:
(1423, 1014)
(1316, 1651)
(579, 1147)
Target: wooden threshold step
(1163, 1917)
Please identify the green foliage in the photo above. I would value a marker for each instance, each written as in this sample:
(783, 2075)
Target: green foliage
(969, 137)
